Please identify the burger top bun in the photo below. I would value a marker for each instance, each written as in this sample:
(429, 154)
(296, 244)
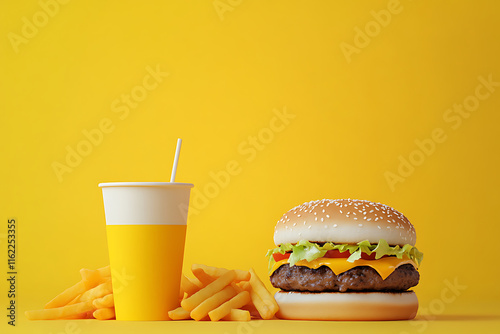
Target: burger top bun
(344, 221)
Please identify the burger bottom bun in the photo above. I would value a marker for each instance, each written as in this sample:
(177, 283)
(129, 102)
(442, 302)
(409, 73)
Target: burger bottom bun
(348, 306)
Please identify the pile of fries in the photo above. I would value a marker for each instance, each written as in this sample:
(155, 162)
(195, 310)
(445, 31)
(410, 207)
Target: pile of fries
(213, 294)
(222, 294)
(90, 298)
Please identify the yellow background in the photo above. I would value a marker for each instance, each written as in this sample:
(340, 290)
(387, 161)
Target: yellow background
(353, 120)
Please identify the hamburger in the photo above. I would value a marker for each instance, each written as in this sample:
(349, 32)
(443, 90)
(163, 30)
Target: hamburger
(345, 259)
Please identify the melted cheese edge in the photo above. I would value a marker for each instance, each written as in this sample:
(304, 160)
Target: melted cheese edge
(384, 266)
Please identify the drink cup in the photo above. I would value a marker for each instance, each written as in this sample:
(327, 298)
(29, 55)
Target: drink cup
(146, 229)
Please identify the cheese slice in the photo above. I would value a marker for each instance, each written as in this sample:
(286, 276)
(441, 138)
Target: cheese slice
(384, 266)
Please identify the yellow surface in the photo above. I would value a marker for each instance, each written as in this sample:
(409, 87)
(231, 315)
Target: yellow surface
(477, 318)
(278, 102)
(146, 268)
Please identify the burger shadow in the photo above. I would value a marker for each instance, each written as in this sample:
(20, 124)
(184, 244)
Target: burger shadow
(459, 317)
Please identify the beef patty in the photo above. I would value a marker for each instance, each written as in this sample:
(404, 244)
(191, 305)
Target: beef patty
(300, 278)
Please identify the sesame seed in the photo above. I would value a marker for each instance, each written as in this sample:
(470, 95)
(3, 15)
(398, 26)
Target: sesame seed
(355, 218)
(379, 227)
(327, 216)
(334, 225)
(309, 227)
(360, 225)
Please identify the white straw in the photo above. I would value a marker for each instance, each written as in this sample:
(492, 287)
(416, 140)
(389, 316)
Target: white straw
(176, 160)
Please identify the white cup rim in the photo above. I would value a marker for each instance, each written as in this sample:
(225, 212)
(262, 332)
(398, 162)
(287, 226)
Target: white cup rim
(145, 184)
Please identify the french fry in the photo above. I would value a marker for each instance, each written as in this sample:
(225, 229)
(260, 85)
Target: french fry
(254, 312)
(105, 271)
(195, 281)
(250, 307)
(241, 275)
(201, 311)
(67, 295)
(90, 279)
(236, 302)
(237, 287)
(202, 276)
(263, 293)
(179, 314)
(188, 286)
(238, 315)
(105, 313)
(74, 301)
(99, 291)
(77, 316)
(60, 312)
(259, 304)
(93, 278)
(245, 286)
(197, 298)
(104, 302)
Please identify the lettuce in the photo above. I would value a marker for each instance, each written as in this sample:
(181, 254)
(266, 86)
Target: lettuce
(309, 251)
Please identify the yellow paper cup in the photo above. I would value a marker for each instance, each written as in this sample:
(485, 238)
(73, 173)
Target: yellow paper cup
(146, 229)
